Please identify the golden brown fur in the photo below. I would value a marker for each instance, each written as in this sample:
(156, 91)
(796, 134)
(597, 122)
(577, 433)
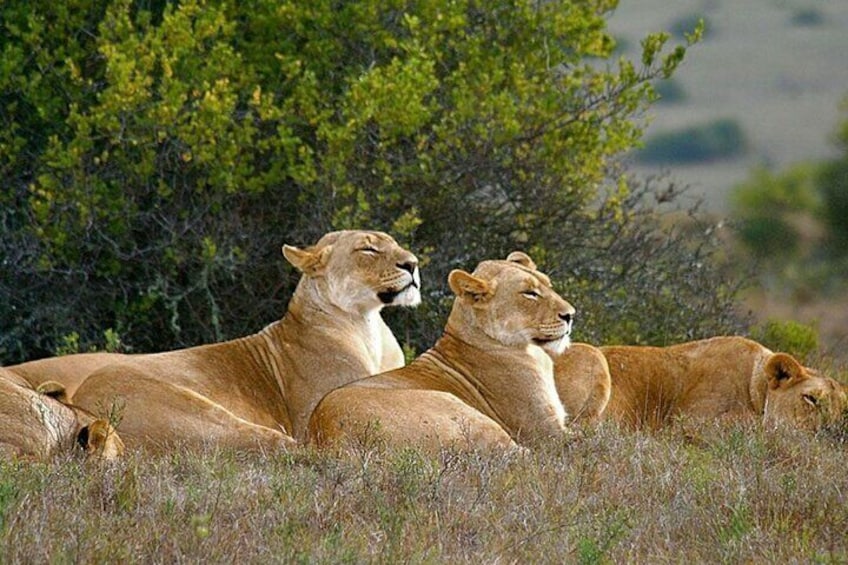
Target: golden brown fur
(258, 391)
(487, 382)
(722, 377)
(39, 424)
(69, 370)
(583, 382)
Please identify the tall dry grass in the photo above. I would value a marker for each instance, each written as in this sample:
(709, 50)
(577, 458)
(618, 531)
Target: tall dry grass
(695, 493)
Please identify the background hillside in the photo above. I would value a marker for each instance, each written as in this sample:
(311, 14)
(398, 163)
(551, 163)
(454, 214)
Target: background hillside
(761, 91)
(775, 67)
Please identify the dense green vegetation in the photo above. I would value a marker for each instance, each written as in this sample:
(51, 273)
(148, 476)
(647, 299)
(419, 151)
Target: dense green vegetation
(155, 156)
(718, 139)
(795, 221)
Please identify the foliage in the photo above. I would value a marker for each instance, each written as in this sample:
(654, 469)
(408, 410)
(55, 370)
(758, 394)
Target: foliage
(800, 340)
(766, 205)
(636, 281)
(834, 187)
(807, 17)
(719, 139)
(155, 155)
(70, 344)
(685, 24)
(731, 493)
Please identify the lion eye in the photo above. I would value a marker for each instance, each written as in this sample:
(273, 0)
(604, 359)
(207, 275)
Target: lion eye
(810, 399)
(531, 294)
(369, 250)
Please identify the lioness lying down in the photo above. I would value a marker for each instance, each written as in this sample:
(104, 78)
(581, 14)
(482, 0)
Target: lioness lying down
(722, 377)
(39, 424)
(258, 391)
(487, 382)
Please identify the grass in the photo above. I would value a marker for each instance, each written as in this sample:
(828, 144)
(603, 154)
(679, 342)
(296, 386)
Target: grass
(695, 493)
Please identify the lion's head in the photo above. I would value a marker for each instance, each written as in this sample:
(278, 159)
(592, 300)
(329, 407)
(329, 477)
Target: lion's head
(359, 271)
(95, 436)
(513, 303)
(799, 397)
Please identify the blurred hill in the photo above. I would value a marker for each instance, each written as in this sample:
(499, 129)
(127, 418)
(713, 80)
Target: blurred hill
(774, 70)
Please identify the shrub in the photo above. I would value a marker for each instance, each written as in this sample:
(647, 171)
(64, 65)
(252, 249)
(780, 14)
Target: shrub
(807, 17)
(833, 183)
(720, 139)
(795, 338)
(157, 154)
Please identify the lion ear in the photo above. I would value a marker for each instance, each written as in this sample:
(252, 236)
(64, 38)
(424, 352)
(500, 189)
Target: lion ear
(53, 390)
(466, 285)
(782, 370)
(522, 259)
(308, 261)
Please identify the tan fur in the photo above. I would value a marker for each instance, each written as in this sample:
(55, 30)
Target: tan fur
(39, 424)
(258, 391)
(583, 382)
(69, 370)
(487, 382)
(722, 377)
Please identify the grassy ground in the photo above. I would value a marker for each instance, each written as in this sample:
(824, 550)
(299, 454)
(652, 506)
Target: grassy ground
(696, 493)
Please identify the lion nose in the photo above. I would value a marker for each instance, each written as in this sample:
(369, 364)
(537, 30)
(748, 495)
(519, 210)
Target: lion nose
(408, 266)
(566, 317)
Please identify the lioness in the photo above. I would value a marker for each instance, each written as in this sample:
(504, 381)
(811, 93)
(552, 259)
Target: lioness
(69, 370)
(583, 382)
(39, 424)
(715, 378)
(259, 391)
(487, 382)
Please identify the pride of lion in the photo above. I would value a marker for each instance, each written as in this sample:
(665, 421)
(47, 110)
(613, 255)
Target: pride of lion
(488, 381)
(258, 391)
(504, 372)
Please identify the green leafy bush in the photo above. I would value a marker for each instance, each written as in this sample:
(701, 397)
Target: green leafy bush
(789, 336)
(807, 17)
(157, 155)
(720, 139)
(833, 183)
(765, 204)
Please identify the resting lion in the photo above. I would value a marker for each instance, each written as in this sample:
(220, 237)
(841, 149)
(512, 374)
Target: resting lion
(722, 377)
(487, 382)
(258, 391)
(583, 382)
(39, 424)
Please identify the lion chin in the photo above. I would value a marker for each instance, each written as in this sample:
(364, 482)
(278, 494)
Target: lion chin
(554, 347)
(409, 295)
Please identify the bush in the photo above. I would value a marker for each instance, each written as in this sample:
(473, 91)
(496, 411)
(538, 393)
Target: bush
(833, 183)
(157, 155)
(800, 340)
(721, 139)
(807, 17)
